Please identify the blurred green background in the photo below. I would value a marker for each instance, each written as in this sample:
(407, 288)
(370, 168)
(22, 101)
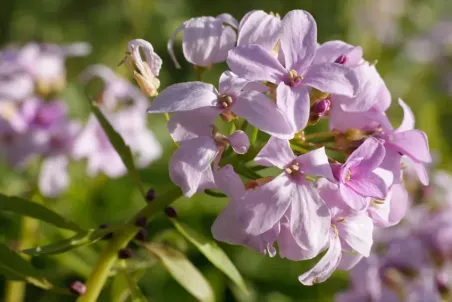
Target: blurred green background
(386, 29)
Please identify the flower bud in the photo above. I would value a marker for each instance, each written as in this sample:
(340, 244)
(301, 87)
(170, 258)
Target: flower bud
(150, 195)
(141, 235)
(145, 70)
(125, 253)
(78, 288)
(171, 212)
(141, 221)
(321, 107)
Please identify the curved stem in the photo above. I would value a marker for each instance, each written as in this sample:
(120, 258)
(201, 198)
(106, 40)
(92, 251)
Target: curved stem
(107, 259)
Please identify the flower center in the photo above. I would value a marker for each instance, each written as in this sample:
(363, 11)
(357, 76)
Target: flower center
(294, 78)
(293, 168)
(225, 101)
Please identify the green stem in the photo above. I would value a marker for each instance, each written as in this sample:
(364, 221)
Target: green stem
(254, 136)
(107, 259)
(318, 135)
(15, 290)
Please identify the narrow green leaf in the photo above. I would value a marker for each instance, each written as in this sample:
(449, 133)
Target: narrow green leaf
(183, 271)
(80, 239)
(120, 291)
(136, 294)
(120, 146)
(14, 267)
(32, 209)
(213, 252)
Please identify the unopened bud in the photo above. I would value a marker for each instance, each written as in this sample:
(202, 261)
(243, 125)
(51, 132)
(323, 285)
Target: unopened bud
(142, 235)
(78, 288)
(150, 195)
(341, 59)
(125, 253)
(321, 107)
(171, 212)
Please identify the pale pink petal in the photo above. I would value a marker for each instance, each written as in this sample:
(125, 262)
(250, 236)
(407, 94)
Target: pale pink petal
(315, 163)
(54, 177)
(422, 173)
(264, 206)
(189, 161)
(258, 27)
(353, 200)
(231, 84)
(332, 78)
(194, 123)
(383, 98)
(357, 231)
(349, 260)
(276, 152)
(227, 18)
(369, 185)
(170, 45)
(229, 182)
(227, 42)
(207, 181)
(185, 97)
(239, 142)
(408, 118)
(201, 40)
(329, 51)
(309, 212)
(413, 143)
(298, 39)
(294, 104)
(370, 155)
(288, 246)
(254, 63)
(262, 113)
(326, 266)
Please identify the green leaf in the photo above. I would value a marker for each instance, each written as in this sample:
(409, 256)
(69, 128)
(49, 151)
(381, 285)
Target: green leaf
(183, 271)
(120, 291)
(14, 267)
(81, 239)
(213, 252)
(32, 209)
(120, 146)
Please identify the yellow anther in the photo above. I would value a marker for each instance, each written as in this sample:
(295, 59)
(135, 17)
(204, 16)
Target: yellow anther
(288, 170)
(295, 167)
(348, 176)
(341, 220)
(378, 201)
(224, 104)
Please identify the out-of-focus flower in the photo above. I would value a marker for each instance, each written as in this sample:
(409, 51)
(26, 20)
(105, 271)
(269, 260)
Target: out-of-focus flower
(205, 40)
(145, 69)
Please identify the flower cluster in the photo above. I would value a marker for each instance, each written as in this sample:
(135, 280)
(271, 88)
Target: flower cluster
(35, 121)
(411, 261)
(333, 187)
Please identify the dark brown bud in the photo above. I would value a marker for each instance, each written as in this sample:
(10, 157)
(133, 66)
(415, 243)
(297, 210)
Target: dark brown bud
(125, 253)
(150, 195)
(142, 235)
(171, 212)
(141, 221)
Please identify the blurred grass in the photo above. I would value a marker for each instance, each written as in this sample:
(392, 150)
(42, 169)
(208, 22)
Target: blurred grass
(107, 26)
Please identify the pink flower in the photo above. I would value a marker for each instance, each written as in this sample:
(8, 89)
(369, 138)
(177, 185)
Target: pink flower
(235, 96)
(190, 166)
(258, 27)
(265, 206)
(206, 40)
(293, 71)
(356, 178)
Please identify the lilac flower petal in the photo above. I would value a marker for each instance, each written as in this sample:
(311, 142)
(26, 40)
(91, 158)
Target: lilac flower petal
(258, 27)
(54, 177)
(391, 163)
(413, 143)
(276, 152)
(189, 161)
(229, 182)
(370, 185)
(170, 45)
(295, 104)
(352, 199)
(422, 173)
(227, 18)
(315, 163)
(239, 142)
(185, 97)
(186, 125)
(349, 260)
(201, 40)
(226, 43)
(231, 84)
(408, 118)
(356, 231)
(207, 181)
(262, 113)
(254, 63)
(264, 206)
(298, 39)
(332, 78)
(326, 266)
(288, 246)
(329, 51)
(383, 98)
(370, 155)
(309, 212)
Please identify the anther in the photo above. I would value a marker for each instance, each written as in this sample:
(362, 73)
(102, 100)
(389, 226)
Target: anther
(295, 167)
(288, 170)
(224, 104)
(348, 176)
